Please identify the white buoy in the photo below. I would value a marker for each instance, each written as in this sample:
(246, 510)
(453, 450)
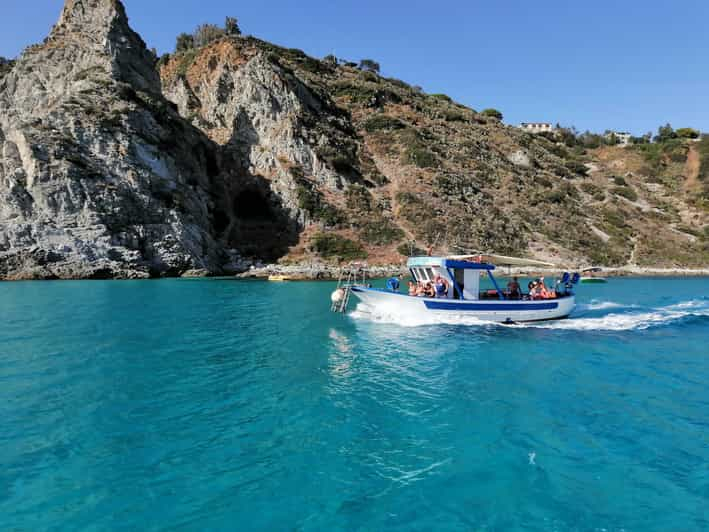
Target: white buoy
(337, 296)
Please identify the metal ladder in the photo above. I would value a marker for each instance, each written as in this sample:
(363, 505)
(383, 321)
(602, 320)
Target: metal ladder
(353, 274)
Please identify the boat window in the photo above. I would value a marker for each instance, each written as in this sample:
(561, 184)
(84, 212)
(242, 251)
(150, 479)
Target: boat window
(460, 280)
(429, 271)
(422, 274)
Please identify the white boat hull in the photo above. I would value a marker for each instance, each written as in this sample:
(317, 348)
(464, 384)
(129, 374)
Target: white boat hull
(508, 311)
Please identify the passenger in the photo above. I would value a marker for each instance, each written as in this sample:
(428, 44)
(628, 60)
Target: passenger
(413, 289)
(542, 289)
(428, 290)
(441, 287)
(513, 289)
(533, 294)
(393, 283)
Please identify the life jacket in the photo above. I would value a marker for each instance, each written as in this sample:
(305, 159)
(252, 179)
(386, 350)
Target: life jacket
(440, 288)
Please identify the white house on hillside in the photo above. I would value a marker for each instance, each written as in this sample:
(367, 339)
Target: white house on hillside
(622, 136)
(536, 127)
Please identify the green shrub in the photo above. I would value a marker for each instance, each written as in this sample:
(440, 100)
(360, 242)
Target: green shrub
(369, 65)
(687, 133)
(358, 199)
(577, 167)
(443, 97)
(620, 181)
(626, 192)
(409, 249)
(311, 201)
(594, 190)
(420, 157)
(566, 192)
(184, 42)
(493, 113)
(453, 116)
(366, 75)
(330, 246)
(381, 232)
(383, 122)
(186, 60)
(416, 151)
(207, 33)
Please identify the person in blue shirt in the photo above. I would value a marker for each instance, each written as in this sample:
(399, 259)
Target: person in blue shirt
(393, 283)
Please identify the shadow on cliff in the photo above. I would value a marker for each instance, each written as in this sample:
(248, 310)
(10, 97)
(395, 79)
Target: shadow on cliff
(251, 217)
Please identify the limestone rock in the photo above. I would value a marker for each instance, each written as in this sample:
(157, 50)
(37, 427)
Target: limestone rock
(99, 175)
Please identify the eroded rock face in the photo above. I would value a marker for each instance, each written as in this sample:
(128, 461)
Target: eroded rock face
(99, 175)
(265, 117)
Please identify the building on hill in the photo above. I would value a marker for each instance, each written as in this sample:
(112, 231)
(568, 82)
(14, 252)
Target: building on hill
(623, 137)
(536, 127)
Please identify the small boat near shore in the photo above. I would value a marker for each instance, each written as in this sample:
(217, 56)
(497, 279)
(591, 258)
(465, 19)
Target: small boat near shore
(279, 278)
(590, 275)
(463, 296)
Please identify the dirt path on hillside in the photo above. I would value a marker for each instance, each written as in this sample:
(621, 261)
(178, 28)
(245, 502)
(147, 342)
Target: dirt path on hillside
(691, 171)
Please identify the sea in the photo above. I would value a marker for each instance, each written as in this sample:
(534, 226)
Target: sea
(218, 404)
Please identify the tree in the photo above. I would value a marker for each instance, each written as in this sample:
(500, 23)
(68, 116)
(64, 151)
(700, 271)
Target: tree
(330, 59)
(665, 133)
(493, 113)
(369, 65)
(231, 26)
(206, 33)
(185, 42)
(687, 133)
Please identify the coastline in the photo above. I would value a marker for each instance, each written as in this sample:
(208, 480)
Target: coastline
(317, 271)
(328, 272)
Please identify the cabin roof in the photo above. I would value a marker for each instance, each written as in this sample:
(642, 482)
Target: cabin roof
(448, 262)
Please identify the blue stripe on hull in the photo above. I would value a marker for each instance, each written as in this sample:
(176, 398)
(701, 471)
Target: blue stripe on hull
(445, 305)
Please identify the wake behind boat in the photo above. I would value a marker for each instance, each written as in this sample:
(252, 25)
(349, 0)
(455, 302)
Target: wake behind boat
(458, 292)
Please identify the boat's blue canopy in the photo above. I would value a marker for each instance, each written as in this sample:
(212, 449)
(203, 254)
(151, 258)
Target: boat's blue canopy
(446, 262)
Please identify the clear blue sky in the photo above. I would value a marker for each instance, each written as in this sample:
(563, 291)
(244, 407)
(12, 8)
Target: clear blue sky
(605, 64)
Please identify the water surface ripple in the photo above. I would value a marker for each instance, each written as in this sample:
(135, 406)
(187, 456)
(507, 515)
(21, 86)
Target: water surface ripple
(221, 405)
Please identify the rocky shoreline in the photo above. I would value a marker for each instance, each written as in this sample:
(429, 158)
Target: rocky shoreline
(320, 271)
(316, 271)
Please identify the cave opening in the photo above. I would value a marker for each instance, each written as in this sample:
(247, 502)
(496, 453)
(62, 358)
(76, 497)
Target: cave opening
(263, 228)
(251, 205)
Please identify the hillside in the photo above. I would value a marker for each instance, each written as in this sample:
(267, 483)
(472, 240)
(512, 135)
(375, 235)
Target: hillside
(421, 170)
(242, 150)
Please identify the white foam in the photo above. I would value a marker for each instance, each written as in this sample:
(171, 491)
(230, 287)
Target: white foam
(377, 315)
(630, 320)
(617, 321)
(602, 305)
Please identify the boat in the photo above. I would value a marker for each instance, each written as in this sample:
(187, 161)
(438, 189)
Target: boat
(278, 278)
(464, 297)
(588, 276)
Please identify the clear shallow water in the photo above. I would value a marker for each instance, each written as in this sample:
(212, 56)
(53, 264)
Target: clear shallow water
(245, 405)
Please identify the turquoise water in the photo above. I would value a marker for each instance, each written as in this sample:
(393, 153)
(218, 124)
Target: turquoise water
(223, 405)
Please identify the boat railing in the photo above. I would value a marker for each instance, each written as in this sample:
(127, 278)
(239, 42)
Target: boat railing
(354, 274)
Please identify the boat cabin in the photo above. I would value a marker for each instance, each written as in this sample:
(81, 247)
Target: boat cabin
(463, 276)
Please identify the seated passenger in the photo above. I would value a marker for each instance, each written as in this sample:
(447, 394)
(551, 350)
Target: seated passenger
(428, 290)
(533, 293)
(513, 289)
(413, 289)
(542, 289)
(441, 287)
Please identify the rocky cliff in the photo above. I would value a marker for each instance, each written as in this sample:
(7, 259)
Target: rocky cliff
(115, 164)
(99, 174)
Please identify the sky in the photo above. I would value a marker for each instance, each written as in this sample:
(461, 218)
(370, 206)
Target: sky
(627, 66)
